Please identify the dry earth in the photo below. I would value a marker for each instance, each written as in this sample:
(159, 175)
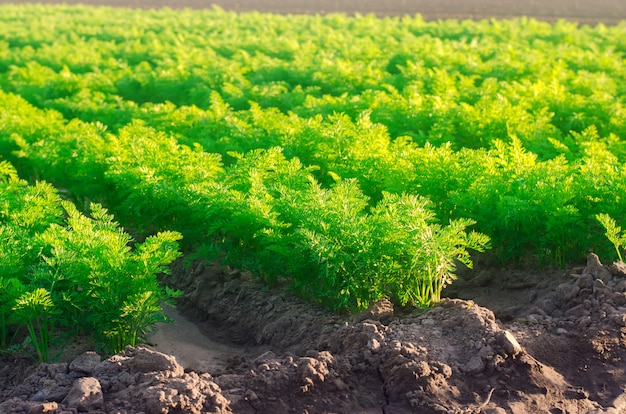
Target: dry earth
(555, 344)
(584, 11)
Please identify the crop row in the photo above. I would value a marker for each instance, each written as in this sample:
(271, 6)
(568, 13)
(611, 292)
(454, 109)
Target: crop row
(62, 271)
(264, 211)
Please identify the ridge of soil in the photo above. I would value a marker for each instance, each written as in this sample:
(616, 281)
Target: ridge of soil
(554, 343)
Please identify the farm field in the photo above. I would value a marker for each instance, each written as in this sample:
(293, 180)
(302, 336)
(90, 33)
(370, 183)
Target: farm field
(377, 214)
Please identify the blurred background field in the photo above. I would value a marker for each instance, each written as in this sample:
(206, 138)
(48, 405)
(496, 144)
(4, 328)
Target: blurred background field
(584, 11)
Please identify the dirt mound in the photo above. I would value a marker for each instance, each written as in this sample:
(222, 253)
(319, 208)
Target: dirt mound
(563, 351)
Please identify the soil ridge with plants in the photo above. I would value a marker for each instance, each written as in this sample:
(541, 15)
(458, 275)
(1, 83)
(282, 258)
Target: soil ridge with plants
(561, 349)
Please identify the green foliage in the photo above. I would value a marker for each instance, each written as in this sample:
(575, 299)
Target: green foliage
(613, 233)
(149, 165)
(333, 249)
(79, 273)
(395, 250)
(139, 313)
(36, 310)
(93, 274)
(10, 290)
(515, 194)
(427, 250)
(468, 83)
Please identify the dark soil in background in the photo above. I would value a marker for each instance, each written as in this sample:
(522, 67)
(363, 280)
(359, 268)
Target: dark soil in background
(584, 11)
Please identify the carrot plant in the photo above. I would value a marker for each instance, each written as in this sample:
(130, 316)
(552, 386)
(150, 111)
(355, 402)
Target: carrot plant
(395, 250)
(98, 280)
(36, 311)
(24, 212)
(613, 233)
(61, 269)
(332, 247)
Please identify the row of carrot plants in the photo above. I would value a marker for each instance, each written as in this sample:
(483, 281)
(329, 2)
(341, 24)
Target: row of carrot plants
(548, 205)
(265, 212)
(62, 271)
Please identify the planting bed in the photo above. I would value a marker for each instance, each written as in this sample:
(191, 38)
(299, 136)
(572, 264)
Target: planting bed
(529, 342)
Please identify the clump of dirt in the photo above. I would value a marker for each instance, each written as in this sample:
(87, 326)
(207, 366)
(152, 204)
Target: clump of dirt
(136, 380)
(555, 344)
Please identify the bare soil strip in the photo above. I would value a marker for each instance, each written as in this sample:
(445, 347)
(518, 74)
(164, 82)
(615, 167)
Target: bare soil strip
(583, 11)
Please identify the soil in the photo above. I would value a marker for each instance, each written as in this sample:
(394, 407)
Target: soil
(501, 341)
(584, 11)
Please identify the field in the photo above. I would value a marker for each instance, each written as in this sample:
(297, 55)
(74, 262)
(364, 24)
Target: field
(377, 214)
